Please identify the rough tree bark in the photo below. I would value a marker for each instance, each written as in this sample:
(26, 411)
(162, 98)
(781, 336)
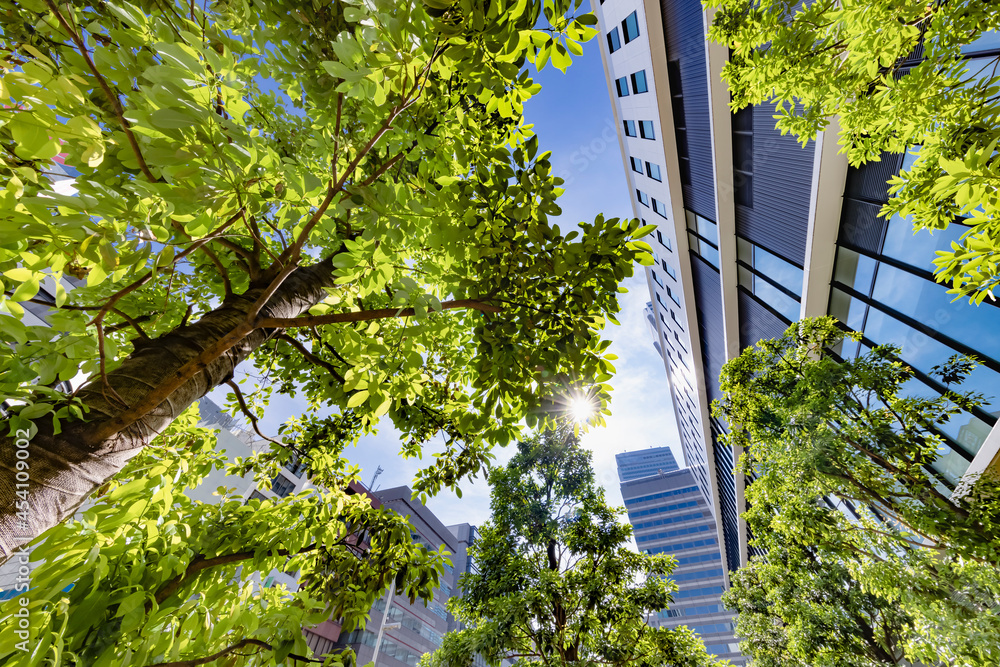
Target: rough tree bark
(64, 469)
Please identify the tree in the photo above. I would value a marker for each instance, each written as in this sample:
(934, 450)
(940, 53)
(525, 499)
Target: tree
(146, 576)
(854, 61)
(343, 193)
(819, 432)
(556, 581)
(796, 608)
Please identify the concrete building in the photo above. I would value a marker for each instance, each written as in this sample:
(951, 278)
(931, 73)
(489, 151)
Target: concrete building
(411, 629)
(671, 515)
(756, 231)
(643, 463)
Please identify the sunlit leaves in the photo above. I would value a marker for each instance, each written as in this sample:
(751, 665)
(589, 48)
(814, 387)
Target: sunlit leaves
(895, 76)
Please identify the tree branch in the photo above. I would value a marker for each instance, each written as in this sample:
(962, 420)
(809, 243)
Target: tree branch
(366, 315)
(193, 662)
(112, 98)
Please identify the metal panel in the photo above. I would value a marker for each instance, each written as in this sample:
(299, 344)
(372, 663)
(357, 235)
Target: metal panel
(708, 297)
(685, 37)
(757, 322)
(860, 225)
(782, 179)
(869, 181)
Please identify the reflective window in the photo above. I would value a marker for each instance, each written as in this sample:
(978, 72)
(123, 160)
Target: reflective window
(917, 249)
(923, 353)
(643, 197)
(670, 271)
(979, 70)
(847, 309)
(630, 27)
(630, 128)
(988, 41)
(702, 226)
(707, 252)
(854, 270)
(622, 86)
(614, 42)
(787, 306)
(664, 240)
(646, 129)
(656, 279)
(639, 82)
(660, 207)
(784, 273)
(653, 171)
(930, 304)
(636, 164)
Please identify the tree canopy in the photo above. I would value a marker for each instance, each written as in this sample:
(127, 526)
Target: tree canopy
(896, 77)
(147, 576)
(557, 583)
(344, 193)
(848, 507)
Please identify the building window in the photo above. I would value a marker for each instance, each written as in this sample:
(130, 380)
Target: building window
(614, 43)
(282, 486)
(680, 124)
(673, 297)
(743, 156)
(703, 235)
(773, 280)
(653, 171)
(643, 197)
(630, 27)
(636, 164)
(639, 82)
(656, 279)
(646, 129)
(670, 272)
(664, 240)
(622, 86)
(660, 208)
(630, 128)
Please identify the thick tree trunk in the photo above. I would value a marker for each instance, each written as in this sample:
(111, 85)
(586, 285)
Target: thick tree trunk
(64, 469)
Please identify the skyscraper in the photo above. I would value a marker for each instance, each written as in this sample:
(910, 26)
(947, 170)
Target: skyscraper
(756, 231)
(671, 515)
(645, 462)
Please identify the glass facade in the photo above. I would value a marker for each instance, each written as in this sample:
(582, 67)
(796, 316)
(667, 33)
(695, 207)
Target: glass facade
(886, 291)
(668, 499)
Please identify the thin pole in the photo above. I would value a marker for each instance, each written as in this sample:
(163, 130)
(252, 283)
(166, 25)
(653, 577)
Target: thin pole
(381, 627)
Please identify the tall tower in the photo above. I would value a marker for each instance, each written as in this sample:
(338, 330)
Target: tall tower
(645, 462)
(671, 515)
(756, 231)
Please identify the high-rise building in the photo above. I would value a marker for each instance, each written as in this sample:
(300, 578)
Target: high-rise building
(671, 515)
(645, 462)
(756, 231)
(410, 630)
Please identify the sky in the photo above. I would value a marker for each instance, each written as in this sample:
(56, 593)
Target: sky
(573, 119)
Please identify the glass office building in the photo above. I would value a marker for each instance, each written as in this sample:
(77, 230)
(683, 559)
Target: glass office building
(645, 462)
(671, 515)
(756, 231)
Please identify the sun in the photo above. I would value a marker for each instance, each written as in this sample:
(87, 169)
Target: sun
(581, 409)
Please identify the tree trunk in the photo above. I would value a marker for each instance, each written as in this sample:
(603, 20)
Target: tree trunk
(64, 469)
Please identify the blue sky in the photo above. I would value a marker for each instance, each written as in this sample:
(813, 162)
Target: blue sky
(572, 117)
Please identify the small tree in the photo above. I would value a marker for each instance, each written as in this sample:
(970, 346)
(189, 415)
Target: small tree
(817, 431)
(557, 583)
(149, 577)
(825, 59)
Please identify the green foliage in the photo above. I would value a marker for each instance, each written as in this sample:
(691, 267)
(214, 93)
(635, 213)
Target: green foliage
(795, 608)
(228, 149)
(153, 576)
(557, 583)
(824, 59)
(819, 432)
